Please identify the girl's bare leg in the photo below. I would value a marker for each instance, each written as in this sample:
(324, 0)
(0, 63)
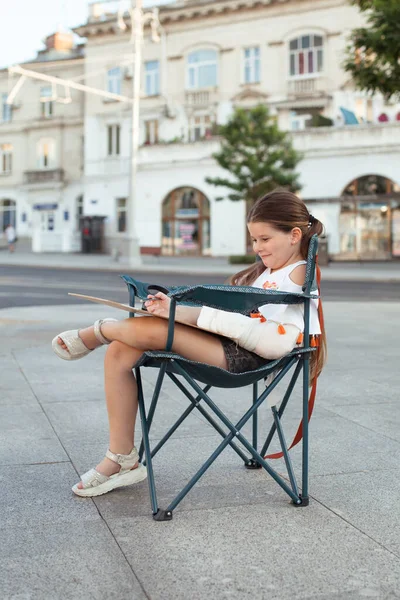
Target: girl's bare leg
(129, 339)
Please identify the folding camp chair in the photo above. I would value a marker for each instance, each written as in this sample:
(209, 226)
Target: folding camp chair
(245, 300)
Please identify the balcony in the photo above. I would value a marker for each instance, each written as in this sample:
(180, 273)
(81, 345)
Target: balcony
(44, 176)
(307, 87)
(201, 98)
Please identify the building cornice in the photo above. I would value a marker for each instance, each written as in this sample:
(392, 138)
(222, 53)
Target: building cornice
(188, 11)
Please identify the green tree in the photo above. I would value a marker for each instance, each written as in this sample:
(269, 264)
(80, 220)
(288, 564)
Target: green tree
(373, 56)
(258, 156)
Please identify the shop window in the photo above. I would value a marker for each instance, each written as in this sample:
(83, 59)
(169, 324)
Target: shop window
(306, 55)
(113, 140)
(79, 204)
(8, 210)
(121, 215)
(186, 223)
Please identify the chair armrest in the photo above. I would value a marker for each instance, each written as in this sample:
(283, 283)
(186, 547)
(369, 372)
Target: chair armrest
(232, 298)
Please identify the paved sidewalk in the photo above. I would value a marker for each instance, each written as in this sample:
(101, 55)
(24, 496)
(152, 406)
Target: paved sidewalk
(235, 535)
(336, 271)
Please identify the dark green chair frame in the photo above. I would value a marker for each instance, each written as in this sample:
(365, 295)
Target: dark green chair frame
(241, 299)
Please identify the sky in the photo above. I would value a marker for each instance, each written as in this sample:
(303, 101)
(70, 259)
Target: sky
(26, 23)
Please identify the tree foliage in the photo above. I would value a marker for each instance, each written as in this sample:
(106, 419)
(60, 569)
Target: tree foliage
(373, 56)
(258, 156)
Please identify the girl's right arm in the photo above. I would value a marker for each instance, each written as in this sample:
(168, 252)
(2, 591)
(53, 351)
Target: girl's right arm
(159, 304)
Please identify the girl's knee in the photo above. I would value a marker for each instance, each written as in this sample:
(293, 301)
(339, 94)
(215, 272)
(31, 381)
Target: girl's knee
(122, 355)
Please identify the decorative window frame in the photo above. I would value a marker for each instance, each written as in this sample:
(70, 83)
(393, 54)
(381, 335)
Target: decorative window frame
(244, 59)
(42, 161)
(199, 48)
(152, 79)
(298, 34)
(114, 78)
(6, 159)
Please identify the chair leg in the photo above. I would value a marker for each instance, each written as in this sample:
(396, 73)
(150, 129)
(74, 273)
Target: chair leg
(154, 400)
(251, 463)
(145, 434)
(304, 487)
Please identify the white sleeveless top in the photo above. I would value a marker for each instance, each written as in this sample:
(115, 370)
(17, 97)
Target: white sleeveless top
(287, 313)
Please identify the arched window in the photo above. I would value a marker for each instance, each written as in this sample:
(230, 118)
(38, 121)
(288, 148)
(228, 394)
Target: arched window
(46, 153)
(186, 223)
(8, 210)
(306, 55)
(202, 69)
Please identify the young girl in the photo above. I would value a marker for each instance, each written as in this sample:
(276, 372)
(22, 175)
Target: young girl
(281, 228)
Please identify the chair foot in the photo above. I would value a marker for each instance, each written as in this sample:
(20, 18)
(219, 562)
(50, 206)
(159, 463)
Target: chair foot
(252, 464)
(163, 515)
(301, 502)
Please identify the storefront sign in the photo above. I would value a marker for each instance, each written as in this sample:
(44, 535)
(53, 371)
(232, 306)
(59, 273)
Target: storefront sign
(45, 206)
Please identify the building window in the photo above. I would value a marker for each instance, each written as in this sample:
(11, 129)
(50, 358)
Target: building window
(151, 132)
(121, 214)
(114, 80)
(46, 100)
(113, 136)
(306, 55)
(45, 154)
(79, 204)
(6, 109)
(152, 74)
(200, 128)
(202, 69)
(252, 65)
(6, 151)
(7, 213)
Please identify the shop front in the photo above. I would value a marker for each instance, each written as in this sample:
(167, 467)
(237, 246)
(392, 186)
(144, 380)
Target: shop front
(369, 222)
(186, 223)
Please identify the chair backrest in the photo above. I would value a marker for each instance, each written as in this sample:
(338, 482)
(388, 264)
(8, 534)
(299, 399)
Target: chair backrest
(310, 283)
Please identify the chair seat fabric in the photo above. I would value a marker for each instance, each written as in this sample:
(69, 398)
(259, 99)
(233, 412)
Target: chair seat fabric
(215, 376)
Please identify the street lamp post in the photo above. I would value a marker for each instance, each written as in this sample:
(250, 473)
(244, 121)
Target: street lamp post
(137, 34)
(138, 20)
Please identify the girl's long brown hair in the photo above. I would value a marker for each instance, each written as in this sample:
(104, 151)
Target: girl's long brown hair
(284, 211)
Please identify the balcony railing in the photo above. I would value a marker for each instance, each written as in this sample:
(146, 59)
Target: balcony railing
(201, 98)
(44, 176)
(307, 87)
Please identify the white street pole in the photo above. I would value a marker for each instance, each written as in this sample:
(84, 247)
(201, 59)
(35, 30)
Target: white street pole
(137, 30)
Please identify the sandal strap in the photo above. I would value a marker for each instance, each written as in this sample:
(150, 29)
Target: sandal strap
(97, 331)
(127, 461)
(93, 478)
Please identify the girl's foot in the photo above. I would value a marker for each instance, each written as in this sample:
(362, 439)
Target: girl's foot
(74, 344)
(107, 467)
(88, 338)
(107, 477)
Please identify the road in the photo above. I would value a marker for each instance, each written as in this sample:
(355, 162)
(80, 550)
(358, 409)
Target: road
(27, 286)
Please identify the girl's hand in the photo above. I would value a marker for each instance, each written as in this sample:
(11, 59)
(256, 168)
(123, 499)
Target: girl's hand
(158, 305)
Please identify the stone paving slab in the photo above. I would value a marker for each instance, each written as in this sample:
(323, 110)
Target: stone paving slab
(236, 533)
(274, 551)
(65, 561)
(368, 500)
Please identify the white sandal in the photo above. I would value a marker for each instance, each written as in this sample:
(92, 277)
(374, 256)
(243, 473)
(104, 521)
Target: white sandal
(76, 348)
(96, 484)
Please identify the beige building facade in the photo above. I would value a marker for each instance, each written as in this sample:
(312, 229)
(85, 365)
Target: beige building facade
(213, 56)
(41, 144)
